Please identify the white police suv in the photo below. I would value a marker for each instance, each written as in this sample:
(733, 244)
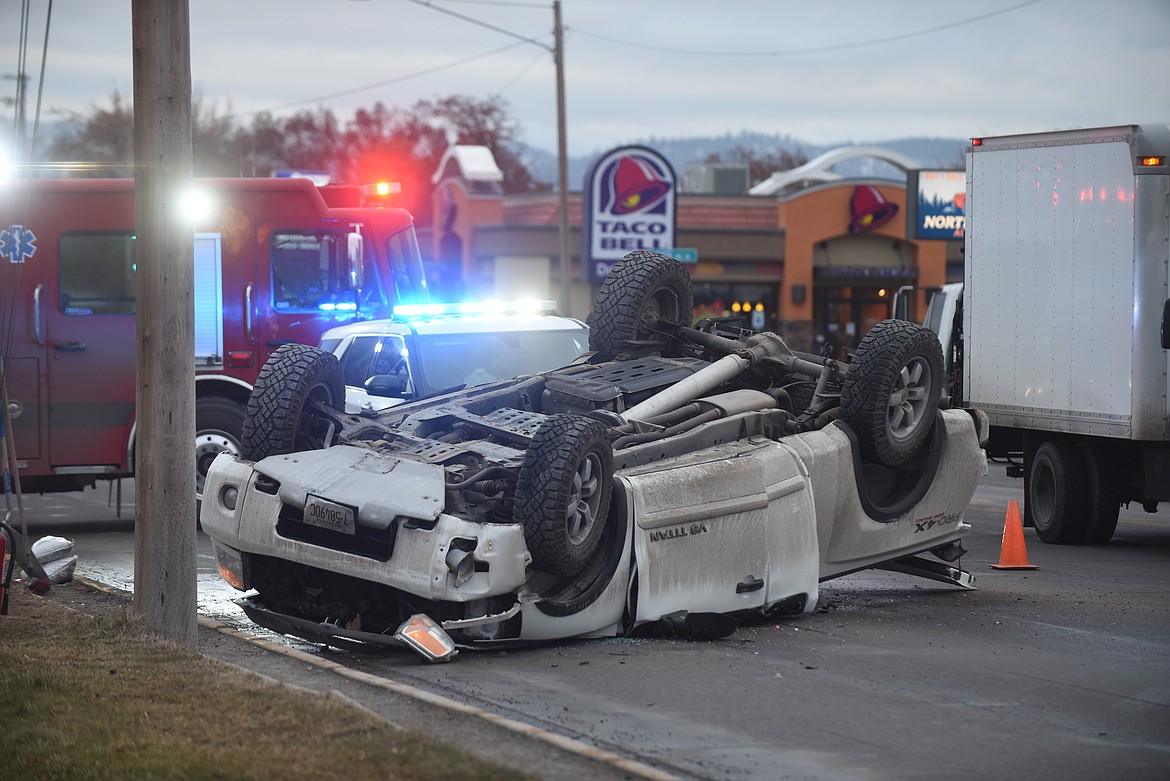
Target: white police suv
(427, 349)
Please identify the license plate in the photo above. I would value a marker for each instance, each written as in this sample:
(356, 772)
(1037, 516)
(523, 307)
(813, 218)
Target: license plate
(329, 515)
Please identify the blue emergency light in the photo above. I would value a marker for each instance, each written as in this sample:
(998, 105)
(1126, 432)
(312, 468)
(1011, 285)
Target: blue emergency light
(526, 307)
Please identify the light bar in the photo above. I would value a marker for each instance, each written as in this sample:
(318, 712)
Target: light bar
(528, 307)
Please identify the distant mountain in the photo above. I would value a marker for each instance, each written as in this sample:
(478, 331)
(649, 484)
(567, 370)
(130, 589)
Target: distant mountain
(684, 152)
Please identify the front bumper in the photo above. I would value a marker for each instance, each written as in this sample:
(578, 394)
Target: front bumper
(445, 559)
(418, 633)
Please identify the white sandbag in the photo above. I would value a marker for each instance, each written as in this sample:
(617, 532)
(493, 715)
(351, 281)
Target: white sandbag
(61, 570)
(50, 548)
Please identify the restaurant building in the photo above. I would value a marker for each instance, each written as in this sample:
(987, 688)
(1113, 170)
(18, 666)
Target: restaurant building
(809, 254)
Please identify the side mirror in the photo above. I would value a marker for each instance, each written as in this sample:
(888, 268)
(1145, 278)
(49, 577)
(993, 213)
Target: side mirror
(355, 251)
(385, 385)
(901, 306)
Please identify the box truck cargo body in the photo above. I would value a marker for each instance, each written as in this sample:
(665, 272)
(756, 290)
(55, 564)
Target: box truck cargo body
(1064, 319)
(276, 260)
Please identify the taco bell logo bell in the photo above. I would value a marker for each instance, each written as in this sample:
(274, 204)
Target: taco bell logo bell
(629, 205)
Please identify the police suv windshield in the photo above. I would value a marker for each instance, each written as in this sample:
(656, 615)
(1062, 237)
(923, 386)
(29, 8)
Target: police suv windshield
(449, 360)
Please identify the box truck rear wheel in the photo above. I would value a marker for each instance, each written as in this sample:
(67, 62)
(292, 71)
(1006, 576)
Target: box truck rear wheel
(1058, 493)
(1104, 489)
(282, 416)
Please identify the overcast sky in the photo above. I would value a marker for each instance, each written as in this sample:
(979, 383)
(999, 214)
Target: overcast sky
(823, 71)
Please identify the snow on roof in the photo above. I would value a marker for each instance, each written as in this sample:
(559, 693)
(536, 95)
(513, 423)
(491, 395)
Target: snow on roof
(475, 164)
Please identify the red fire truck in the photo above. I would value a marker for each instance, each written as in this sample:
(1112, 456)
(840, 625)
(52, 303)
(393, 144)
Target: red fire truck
(276, 261)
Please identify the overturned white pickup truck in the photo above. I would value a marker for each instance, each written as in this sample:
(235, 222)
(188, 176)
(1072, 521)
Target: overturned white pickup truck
(676, 477)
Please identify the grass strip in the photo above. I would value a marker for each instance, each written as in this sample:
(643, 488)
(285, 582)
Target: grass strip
(97, 698)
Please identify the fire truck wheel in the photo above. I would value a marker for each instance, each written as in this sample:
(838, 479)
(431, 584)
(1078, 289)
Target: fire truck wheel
(563, 491)
(283, 414)
(643, 293)
(218, 425)
(891, 391)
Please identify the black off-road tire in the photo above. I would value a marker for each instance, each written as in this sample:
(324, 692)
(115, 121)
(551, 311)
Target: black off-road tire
(563, 493)
(1058, 493)
(1104, 489)
(219, 424)
(800, 394)
(644, 291)
(891, 391)
(279, 418)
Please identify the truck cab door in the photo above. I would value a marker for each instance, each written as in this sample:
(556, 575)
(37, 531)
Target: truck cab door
(701, 530)
(91, 338)
(23, 280)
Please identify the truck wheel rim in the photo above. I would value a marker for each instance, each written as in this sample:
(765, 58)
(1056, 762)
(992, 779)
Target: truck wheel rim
(910, 398)
(584, 499)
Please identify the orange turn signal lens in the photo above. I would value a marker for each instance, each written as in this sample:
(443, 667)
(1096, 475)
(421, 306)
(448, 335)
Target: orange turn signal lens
(424, 635)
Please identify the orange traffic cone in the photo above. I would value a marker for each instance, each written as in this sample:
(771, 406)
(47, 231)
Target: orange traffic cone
(1012, 554)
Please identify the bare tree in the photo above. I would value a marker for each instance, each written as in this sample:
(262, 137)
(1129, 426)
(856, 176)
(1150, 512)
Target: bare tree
(380, 143)
(216, 141)
(105, 137)
(488, 122)
(105, 140)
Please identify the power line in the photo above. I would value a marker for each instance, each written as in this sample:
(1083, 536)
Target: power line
(520, 39)
(513, 3)
(810, 50)
(516, 78)
(500, 30)
(388, 82)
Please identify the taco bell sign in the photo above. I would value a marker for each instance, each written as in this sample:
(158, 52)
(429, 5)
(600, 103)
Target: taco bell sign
(629, 205)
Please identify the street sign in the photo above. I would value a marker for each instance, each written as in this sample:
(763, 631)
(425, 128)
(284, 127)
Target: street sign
(681, 254)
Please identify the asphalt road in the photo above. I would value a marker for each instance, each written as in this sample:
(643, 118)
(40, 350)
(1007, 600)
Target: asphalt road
(1057, 673)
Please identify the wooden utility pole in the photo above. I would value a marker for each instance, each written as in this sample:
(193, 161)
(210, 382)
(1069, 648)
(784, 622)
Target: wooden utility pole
(566, 307)
(164, 538)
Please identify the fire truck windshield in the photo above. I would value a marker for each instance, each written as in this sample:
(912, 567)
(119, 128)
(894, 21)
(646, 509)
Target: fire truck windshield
(309, 272)
(406, 268)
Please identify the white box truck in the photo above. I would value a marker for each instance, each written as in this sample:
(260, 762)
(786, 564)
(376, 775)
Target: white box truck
(1061, 327)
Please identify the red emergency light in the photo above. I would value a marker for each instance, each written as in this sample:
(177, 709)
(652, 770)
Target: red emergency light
(381, 189)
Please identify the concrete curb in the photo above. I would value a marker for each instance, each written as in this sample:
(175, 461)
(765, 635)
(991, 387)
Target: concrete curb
(632, 768)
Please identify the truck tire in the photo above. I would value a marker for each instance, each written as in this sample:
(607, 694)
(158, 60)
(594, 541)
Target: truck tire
(1104, 503)
(1058, 493)
(891, 391)
(279, 418)
(642, 292)
(219, 423)
(800, 394)
(563, 492)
